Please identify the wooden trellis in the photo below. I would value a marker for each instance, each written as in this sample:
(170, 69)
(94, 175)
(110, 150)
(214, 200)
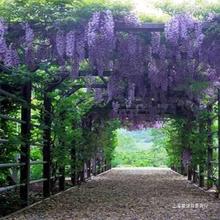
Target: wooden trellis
(25, 126)
(26, 123)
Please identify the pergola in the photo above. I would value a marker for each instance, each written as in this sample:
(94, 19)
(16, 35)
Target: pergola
(26, 124)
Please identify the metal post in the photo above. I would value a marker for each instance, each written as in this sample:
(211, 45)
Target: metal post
(25, 146)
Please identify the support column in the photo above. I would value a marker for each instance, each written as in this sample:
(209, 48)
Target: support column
(201, 176)
(189, 172)
(194, 174)
(73, 166)
(62, 143)
(103, 165)
(62, 178)
(218, 143)
(210, 150)
(201, 165)
(25, 146)
(47, 145)
(88, 166)
(99, 166)
(82, 173)
(94, 166)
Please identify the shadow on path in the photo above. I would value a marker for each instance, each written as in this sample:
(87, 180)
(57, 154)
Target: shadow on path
(129, 194)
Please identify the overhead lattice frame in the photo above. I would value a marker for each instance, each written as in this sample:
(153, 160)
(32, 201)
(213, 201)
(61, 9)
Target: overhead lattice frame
(26, 122)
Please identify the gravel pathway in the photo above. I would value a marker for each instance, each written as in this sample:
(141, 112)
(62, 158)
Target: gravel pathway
(129, 194)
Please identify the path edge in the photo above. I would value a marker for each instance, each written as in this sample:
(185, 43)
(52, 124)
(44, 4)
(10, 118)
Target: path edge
(52, 196)
(195, 185)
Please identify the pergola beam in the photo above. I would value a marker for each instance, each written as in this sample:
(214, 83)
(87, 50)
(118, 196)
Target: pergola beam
(147, 27)
(75, 88)
(94, 73)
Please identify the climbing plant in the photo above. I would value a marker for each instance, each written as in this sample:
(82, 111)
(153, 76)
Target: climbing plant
(89, 67)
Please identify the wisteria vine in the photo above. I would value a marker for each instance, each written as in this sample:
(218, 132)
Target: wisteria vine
(156, 70)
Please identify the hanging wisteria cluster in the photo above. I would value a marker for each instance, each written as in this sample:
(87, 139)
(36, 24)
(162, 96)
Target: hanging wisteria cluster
(8, 55)
(152, 73)
(186, 157)
(101, 40)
